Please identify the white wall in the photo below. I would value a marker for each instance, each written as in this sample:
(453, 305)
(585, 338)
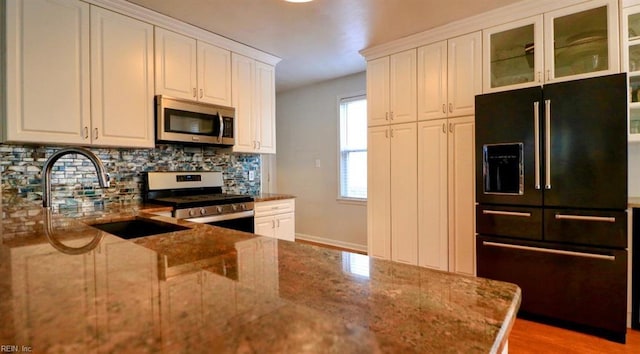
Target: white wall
(307, 130)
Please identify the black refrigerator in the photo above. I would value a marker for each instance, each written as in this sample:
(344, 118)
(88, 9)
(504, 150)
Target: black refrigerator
(551, 193)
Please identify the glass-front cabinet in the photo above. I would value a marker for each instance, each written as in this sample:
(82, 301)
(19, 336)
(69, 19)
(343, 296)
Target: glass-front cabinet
(631, 64)
(580, 41)
(513, 53)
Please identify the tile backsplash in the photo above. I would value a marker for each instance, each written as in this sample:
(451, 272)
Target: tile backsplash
(74, 182)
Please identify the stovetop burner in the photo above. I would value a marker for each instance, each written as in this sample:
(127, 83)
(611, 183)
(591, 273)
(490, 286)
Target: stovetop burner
(190, 201)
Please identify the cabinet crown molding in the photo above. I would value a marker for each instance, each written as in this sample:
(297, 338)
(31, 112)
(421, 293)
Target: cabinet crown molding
(502, 15)
(160, 20)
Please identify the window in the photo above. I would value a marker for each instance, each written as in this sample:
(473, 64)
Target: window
(353, 148)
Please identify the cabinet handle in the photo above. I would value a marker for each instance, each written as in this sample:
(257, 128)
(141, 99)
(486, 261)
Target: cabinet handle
(386, 133)
(506, 213)
(259, 144)
(86, 132)
(547, 147)
(392, 133)
(536, 143)
(450, 107)
(552, 251)
(96, 134)
(273, 224)
(201, 93)
(386, 115)
(539, 76)
(450, 127)
(586, 218)
(194, 93)
(391, 115)
(444, 108)
(278, 223)
(548, 75)
(444, 128)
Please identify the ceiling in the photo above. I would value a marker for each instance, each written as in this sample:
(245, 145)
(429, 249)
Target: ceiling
(319, 40)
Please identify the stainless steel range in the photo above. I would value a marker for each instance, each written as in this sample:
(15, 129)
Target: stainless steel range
(198, 197)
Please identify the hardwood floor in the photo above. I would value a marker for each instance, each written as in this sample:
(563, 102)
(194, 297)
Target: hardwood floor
(532, 337)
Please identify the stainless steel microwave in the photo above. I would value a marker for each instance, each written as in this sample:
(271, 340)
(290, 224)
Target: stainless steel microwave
(184, 121)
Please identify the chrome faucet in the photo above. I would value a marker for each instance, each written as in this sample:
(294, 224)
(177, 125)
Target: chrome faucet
(103, 177)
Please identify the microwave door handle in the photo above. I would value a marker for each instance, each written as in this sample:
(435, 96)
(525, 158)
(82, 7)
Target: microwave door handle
(536, 154)
(221, 127)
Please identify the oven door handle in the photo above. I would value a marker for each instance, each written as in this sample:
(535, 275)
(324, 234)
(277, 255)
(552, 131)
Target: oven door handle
(223, 217)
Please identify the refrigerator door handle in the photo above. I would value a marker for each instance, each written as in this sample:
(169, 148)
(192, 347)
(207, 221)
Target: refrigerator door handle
(506, 213)
(585, 218)
(552, 251)
(547, 143)
(536, 131)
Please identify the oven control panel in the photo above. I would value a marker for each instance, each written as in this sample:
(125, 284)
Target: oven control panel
(212, 210)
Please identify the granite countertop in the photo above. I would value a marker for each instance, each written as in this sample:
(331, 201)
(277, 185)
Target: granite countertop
(208, 289)
(265, 197)
(634, 202)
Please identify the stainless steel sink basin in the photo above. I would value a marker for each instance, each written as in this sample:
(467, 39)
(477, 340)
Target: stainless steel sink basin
(135, 228)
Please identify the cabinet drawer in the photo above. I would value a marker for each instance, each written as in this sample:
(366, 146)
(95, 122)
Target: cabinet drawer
(585, 286)
(274, 207)
(595, 228)
(509, 221)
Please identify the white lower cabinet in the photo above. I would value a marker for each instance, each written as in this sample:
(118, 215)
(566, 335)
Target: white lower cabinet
(276, 218)
(392, 224)
(446, 196)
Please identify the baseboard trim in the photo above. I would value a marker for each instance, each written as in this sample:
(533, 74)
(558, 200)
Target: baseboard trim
(331, 242)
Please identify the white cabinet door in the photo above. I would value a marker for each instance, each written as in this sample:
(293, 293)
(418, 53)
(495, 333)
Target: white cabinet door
(378, 91)
(581, 41)
(432, 81)
(433, 194)
(379, 197)
(286, 226)
(175, 65)
(461, 196)
(404, 185)
(464, 73)
(402, 90)
(264, 226)
(265, 108)
(512, 55)
(243, 81)
(121, 80)
(214, 74)
(48, 87)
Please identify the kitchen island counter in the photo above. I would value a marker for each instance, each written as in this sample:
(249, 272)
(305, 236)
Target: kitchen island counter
(208, 289)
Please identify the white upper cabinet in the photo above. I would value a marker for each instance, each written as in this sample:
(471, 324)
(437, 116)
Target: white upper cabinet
(402, 90)
(391, 89)
(47, 59)
(214, 74)
(378, 91)
(121, 80)
(513, 55)
(253, 96)
(585, 41)
(176, 65)
(449, 76)
(191, 69)
(571, 43)
(464, 73)
(432, 81)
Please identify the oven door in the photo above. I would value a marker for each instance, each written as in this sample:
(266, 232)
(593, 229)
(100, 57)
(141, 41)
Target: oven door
(242, 221)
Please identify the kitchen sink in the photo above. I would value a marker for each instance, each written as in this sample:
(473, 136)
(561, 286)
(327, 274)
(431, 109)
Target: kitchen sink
(135, 228)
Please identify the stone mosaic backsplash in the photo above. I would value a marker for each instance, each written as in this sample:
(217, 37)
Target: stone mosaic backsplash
(75, 185)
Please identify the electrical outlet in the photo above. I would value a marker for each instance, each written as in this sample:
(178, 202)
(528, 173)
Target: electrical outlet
(252, 175)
